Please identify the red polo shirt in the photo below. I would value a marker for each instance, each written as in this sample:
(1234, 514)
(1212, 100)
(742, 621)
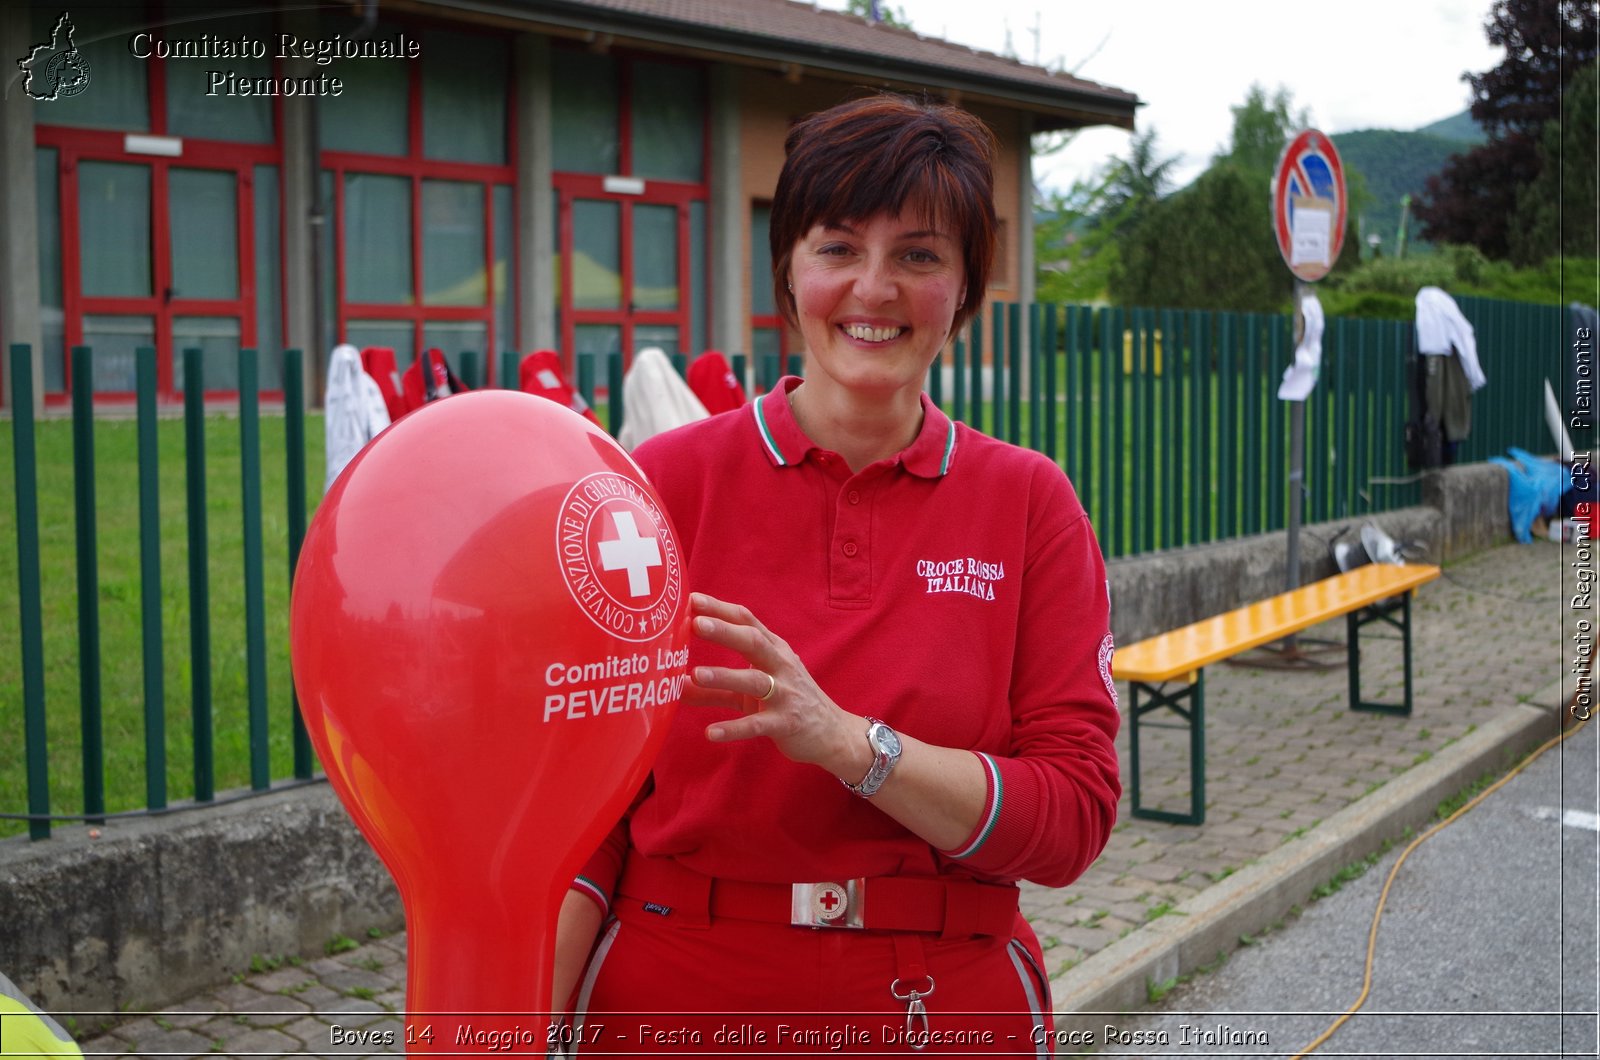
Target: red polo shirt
(955, 591)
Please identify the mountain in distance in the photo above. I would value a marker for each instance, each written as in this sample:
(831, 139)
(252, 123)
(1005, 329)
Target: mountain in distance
(1394, 164)
(1457, 127)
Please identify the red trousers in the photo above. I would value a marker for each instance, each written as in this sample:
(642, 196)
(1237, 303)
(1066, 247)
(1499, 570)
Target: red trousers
(737, 987)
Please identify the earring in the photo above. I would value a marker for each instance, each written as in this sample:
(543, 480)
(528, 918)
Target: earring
(790, 286)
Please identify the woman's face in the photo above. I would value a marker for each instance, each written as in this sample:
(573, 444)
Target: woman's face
(875, 298)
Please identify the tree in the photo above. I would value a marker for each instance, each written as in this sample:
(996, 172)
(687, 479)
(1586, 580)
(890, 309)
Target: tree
(1474, 199)
(1262, 128)
(875, 11)
(1134, 184)
(1211, 245)
(1555, 214)
(1076, 243)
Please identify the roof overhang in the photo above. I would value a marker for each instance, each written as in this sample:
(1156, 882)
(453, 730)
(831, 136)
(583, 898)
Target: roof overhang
(1052, 106)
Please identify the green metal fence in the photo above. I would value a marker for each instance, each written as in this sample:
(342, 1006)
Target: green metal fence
(1166, 421)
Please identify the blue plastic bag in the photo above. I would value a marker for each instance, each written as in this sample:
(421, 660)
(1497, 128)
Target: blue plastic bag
(1536, 488)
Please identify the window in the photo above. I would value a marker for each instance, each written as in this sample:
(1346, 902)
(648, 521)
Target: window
(417, 174)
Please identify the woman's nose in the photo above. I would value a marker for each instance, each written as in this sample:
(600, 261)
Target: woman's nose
(875, 283)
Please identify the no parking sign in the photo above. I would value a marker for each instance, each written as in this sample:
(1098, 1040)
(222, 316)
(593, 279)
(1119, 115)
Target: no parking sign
(1309, 205)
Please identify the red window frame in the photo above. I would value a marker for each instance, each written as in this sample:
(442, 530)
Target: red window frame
(416, 167)
(657, 192)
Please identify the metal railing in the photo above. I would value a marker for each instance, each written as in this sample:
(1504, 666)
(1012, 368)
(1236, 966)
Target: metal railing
(1166, 421)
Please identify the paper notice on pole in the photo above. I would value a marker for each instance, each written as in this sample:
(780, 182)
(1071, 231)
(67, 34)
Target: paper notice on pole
(1312, 235)
(1301, 377)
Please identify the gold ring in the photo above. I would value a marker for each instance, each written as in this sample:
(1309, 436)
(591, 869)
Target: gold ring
(772, 686)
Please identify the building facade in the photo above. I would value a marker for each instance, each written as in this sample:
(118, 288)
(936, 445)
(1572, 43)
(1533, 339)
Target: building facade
(587, 176)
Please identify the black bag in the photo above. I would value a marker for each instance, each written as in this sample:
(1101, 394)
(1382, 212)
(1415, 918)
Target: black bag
(1424, 437)
(1424, 442)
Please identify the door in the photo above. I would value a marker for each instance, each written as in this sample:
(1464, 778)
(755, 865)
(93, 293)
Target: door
(624, 271)
(159, 254)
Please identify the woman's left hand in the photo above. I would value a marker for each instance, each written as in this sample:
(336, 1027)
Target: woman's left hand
(776, 694)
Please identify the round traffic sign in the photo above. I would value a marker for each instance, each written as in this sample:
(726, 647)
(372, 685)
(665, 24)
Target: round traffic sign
(1309, 205)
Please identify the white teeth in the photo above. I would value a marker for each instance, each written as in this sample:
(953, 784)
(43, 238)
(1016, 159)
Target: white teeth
(870, 334)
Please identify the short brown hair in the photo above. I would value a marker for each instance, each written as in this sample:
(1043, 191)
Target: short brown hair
(875, 155)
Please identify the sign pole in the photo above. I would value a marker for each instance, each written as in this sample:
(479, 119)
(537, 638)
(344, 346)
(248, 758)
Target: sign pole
(1308, 217)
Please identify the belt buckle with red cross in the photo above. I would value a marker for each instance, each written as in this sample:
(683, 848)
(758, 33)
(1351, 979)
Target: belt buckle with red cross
(827, 904)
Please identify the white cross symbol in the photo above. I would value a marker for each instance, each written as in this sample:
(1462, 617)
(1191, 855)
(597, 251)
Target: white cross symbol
(631, 553)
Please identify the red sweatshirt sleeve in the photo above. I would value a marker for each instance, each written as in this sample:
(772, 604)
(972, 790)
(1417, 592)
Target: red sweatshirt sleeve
(1053, 795)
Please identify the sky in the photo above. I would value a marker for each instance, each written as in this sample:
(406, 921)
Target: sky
(1354, 64)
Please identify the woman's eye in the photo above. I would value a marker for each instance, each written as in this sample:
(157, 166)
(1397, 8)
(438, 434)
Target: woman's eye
(921, 257)
(833, 249)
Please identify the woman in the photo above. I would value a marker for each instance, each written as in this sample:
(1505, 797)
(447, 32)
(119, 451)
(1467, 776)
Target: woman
(901, 698)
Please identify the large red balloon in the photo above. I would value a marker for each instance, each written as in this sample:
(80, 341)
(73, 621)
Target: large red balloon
(488, 633)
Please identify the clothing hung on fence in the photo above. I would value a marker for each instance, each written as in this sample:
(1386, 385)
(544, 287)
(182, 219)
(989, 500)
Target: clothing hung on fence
(380, 365)
(353, 410)
(540, 373)
(714, 383)
(415, 391)
(655, 399)
(1448, 367)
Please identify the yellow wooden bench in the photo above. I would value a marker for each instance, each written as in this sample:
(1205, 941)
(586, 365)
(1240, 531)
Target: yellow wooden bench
(1363, 595)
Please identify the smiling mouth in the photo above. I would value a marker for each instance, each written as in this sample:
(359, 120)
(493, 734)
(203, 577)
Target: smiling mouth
(871, 334)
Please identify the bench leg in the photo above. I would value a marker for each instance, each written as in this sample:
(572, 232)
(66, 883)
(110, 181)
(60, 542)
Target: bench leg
(1194, 713)
(1353, 623)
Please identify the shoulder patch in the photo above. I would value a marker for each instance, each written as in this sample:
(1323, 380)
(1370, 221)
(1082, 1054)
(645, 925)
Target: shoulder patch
(1107, 649)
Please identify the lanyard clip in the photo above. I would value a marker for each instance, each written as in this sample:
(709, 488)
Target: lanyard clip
(916, 1013)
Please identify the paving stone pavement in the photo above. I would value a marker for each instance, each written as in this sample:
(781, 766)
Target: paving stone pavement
(1283, 754)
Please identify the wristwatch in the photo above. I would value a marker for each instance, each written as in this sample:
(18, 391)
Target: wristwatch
(885, 743)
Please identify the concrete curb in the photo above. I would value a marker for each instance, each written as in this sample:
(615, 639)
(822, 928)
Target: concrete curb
(1208, 926)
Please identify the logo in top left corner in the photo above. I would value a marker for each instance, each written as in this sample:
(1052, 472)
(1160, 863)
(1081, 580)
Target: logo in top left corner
(55, 69)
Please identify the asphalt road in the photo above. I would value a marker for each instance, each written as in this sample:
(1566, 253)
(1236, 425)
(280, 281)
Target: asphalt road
(1488, 945)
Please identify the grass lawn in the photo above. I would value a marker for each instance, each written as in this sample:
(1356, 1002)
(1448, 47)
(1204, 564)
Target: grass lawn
(121, 641)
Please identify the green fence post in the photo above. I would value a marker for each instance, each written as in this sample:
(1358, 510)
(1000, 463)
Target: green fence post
(680, 364)
(998, 389)
(1320, 409)
(294, 430)
(614, 407)
(255, 623)
(25, 469)
(1087, 397)
(1121, 488)
(155, 729)
(1277, 432)
(1110, 351)
(1172, 496)
(741, 371)
(508, 370)
(90, 705)
(796, 364)
(958, 380)
(1343, 432)
(1052, 398)
(935, 382)
(1199, 426)
(1227, 426)
(1361, 417)
(1252, 465)
(1148, 463)
(975, 383)
(471, 375)
(1014, 380)
(194, 459)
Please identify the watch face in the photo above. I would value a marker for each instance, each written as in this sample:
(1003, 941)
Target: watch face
(887, 740)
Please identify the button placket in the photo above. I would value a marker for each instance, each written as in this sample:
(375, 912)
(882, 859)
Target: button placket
(851, 565)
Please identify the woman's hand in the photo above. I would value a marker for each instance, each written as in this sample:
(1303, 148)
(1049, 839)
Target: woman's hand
(775, 693)
(937, 792)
